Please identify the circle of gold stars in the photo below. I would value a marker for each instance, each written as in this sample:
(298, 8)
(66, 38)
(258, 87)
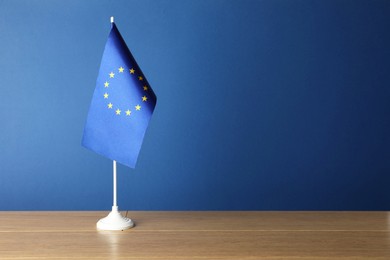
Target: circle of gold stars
(106, 95)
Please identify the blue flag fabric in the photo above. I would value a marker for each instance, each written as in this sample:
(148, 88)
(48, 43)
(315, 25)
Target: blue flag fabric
(121, 106)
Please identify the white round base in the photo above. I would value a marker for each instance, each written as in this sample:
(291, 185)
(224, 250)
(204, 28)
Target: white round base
(114, 221)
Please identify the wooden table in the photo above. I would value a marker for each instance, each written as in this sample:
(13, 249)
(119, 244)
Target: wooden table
(197, 235)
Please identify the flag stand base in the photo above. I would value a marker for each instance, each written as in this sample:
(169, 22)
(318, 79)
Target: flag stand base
(114, 221)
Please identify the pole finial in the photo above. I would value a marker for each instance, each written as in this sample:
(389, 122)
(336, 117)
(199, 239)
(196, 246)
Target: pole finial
(112, 19)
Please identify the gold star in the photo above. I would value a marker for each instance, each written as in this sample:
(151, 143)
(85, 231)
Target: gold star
(140, 78)
(144, 98)
(109, 105)
(118, 112)
(132, 71)
(106, 84)
(128, 112)
(137, 107)
(105, 95)
(145, 88)
(112, 74)
(121, 69)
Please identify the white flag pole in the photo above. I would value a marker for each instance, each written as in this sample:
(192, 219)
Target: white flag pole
(114, 178)
(114, 220)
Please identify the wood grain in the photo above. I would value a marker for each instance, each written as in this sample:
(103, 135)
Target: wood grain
(197, 235)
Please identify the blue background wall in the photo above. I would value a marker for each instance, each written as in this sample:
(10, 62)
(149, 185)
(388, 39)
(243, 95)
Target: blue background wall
(263, 105)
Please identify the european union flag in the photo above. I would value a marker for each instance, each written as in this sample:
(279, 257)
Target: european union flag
(121, 107)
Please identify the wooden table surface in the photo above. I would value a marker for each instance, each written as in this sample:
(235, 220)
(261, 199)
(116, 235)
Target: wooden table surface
(197, 235)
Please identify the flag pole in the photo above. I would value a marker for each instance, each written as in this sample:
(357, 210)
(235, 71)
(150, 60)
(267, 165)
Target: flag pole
(114, 182)
(114, 220)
